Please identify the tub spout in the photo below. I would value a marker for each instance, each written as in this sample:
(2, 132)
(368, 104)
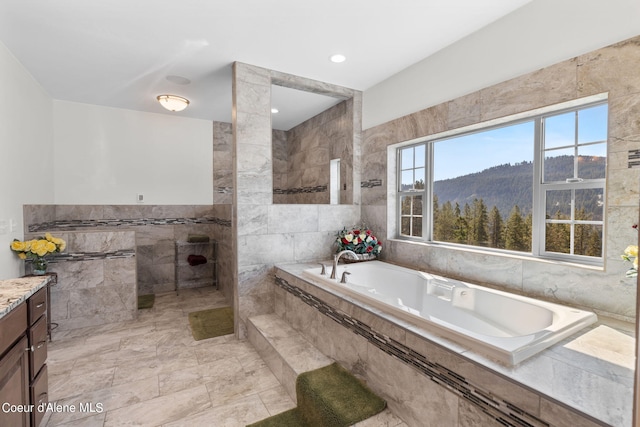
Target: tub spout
(336, 258)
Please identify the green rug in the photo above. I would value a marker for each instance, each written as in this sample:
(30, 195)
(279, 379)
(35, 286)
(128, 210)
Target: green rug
(211, 323)
(146, 301)
(328, 397)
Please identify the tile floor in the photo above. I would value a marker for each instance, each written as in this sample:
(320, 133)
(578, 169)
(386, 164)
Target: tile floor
(151, 372)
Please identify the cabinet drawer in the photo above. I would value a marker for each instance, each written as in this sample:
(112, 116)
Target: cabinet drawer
(37, 305)
(14, 384)
(38, 346)
(12, 326)
(39, 394)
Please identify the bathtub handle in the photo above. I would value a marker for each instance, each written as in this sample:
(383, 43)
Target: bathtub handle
(344, 277)
(323, 272)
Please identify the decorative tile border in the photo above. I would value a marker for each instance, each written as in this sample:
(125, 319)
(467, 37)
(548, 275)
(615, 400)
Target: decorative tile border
(93, 223)
(634, 158)
(500, 410)
(371, 183)
(299, 190)
(89, 256)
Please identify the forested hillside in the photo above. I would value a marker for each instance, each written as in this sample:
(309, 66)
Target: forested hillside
(504, 186)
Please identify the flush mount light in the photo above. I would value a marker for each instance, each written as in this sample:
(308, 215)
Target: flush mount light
(173, 102)
(274, 111)
(337, 58)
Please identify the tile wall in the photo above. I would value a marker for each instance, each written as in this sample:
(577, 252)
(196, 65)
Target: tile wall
(266, 233)
(301, 157)
(612, 70)
(154, 229)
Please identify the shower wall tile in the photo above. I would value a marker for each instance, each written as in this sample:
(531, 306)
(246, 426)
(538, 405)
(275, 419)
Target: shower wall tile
(292, 219)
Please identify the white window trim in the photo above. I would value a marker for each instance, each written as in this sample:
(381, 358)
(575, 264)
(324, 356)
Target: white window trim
(393, 226)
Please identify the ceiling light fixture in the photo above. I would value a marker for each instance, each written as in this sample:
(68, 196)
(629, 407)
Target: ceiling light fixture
(173, 102)
(274, 111)
(337, 58)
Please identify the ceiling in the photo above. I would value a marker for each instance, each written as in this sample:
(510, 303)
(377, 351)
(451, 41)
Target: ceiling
(123, 53)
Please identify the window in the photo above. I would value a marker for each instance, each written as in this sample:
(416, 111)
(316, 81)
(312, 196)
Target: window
(534, 185)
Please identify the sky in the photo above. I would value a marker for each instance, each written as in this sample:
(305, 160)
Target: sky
(513, 144)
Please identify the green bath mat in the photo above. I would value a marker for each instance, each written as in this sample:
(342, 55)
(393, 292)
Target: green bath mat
(146, 301)
(290, 418)
(211, 323)
(331, 396)
(328, 397)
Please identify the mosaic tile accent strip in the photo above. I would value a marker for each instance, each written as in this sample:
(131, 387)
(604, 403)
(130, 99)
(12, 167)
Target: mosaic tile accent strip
(225, 190)
(299, 190)
(91, 223)
(371, 183)
(502, 411)
(634, 158)
(89, 256)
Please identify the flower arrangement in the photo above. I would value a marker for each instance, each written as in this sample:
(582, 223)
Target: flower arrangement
(631, 255)
(360, 240)
(38, 248)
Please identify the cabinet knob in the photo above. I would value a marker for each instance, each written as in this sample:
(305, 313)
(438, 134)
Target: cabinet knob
(29, 349)
(40, 305)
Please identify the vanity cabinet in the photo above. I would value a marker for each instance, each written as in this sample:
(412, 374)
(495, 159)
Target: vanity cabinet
(23, 371)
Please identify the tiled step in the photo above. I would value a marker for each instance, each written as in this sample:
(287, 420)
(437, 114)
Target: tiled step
(288, 354)
(284, 350)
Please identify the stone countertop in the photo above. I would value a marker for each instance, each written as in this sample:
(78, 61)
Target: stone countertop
(14, 291)
(591, 371)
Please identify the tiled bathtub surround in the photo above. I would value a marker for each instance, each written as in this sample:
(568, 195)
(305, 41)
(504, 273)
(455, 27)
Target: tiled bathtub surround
(457, 387)
(612, 70)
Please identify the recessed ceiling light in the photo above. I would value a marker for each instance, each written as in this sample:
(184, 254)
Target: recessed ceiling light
(275, 111)
(338, 58)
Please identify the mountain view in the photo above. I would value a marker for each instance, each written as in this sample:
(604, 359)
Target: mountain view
(504, 186)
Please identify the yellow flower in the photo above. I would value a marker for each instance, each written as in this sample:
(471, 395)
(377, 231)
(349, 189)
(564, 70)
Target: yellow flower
(39, 247)
(18, 246)
(51, 247)
(48, 236)
(631, 251)
(62, 246)
(22, 255)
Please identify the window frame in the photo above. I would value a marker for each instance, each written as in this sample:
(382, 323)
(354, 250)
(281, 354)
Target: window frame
(539, 188)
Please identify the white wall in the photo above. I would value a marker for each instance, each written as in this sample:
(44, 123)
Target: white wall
(107, 155)
(26, 170)
(539, 34)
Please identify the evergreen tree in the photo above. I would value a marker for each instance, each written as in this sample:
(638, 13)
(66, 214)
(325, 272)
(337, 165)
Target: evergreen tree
(558, 235)
(461, 226)
(495, 229)
(444, 229)
(480, 220)
(514, 238)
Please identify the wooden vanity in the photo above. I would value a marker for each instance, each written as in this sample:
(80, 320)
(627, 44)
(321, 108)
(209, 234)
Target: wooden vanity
(23, 350)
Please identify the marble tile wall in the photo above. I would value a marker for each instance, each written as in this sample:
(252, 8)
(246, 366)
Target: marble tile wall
(612, 70)
(156, 227)
(98, 289)
(426, 384)
(222, 163)
(266, 233)
(306, 151)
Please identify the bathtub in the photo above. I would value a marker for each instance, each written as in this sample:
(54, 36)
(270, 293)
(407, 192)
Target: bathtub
(504, 326)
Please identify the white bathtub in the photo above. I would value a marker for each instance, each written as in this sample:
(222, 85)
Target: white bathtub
(504, 326)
